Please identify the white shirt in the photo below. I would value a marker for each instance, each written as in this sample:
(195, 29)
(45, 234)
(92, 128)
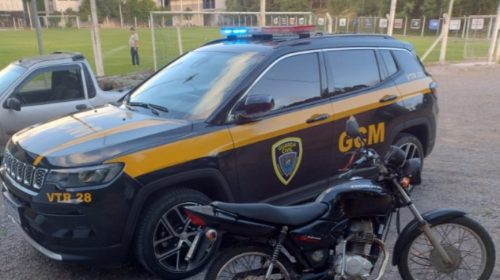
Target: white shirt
(133, 41)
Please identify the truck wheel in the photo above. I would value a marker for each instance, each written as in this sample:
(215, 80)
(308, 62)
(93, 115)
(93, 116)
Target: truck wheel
(411, 145)
(165, 234)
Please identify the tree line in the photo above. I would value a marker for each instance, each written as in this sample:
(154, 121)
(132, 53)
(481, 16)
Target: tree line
(410, 8)
(380, 8)
(110, 9)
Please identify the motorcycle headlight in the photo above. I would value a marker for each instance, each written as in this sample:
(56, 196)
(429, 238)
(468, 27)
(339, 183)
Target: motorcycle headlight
(94, 176)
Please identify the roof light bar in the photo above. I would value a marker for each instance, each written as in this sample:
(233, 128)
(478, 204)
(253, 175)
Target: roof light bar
(240, 31)
(267, 30)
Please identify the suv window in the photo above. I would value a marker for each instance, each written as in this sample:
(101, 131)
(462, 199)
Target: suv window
(193, 86)
(292, 81)
(51, 86)
(389, 62)
(352, 70)
(410, 64)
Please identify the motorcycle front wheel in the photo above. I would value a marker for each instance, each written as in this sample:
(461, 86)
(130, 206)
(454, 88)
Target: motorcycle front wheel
(467, 243)
(248, 263)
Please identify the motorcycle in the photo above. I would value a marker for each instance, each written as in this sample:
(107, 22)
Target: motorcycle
(341, 234)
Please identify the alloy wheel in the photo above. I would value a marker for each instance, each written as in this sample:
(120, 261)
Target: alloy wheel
(172, 238)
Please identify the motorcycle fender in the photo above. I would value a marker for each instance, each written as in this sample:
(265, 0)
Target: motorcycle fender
(412, 229)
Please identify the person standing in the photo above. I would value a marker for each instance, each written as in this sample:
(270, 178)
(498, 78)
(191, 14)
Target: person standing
(133, 42)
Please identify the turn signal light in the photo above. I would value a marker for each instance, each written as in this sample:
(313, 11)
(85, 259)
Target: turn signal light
(211, 235)
(405, 182)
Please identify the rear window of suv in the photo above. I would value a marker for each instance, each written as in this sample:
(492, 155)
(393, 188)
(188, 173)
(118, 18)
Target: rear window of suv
(352, 70)
(409, 63)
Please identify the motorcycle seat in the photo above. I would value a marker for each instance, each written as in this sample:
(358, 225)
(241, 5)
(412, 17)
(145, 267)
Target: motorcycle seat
(278, 215)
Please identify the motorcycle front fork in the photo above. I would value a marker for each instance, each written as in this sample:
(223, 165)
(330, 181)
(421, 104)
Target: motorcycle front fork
(424, 225)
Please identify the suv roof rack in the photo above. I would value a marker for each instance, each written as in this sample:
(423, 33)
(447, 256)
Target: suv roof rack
(75, 56)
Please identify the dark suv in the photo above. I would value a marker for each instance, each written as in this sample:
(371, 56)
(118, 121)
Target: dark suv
(259, 118)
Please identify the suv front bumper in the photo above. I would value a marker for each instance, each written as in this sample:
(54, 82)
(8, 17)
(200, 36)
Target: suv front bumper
(93, 233)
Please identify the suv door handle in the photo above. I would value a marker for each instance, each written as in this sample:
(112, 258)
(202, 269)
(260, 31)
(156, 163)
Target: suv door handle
(388, 98)
(80, 107)
(317, 118)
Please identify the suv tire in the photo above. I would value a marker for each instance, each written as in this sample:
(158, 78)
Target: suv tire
(411, 145)
(164, 235)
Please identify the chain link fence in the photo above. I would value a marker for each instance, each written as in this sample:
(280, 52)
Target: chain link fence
(174, 33)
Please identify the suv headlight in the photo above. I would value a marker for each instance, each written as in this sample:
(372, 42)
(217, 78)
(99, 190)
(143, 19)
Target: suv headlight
(94, 176)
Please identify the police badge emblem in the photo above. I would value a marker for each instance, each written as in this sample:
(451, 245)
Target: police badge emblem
(286, 156)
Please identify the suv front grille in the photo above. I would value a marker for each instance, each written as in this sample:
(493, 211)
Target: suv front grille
(25, 174)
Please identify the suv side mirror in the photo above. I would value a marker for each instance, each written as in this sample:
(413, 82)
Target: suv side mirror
(256, 105)
(12, 103)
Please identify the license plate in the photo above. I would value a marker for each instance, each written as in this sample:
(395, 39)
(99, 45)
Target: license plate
(12, 211)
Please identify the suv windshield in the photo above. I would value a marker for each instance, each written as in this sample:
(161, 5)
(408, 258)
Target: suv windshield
(9, 75)
(196, 84)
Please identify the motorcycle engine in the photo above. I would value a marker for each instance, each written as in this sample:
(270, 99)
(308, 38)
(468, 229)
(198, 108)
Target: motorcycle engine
(354, 264)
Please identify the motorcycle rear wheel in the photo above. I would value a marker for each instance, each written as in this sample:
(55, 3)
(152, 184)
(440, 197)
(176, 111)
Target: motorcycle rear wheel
(249, 263)
(467, 243)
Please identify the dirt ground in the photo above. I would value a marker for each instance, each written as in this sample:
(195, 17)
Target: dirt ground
(463, 172)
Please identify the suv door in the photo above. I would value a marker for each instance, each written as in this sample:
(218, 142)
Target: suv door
(285, 156)
(46, 94)
(362, 86)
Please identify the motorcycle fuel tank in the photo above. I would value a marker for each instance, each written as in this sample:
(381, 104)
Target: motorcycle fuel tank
(355, 198)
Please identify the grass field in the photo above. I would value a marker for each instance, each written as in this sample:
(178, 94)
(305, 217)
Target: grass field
(19, 44)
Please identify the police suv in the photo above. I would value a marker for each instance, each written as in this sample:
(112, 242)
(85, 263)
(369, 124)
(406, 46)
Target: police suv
(256, 116)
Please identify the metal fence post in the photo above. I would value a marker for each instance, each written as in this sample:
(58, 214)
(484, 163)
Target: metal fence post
(179, 40)
(406, 25)
(464, 27)
(494, 38)
(96, 40)
(490, 26)
(37, 26)
(444, 31)
(392, 14)
(153, 41)
(423, 27)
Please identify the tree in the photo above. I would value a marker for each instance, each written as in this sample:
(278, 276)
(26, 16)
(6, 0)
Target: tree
(108, 8)
(130, 9)
(243, 5)
(271, 5)
(139, 9)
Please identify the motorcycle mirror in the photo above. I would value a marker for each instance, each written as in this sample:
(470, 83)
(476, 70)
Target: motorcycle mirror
(352, 128)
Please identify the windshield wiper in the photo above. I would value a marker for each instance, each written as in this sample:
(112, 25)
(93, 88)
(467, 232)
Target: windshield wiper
(153, 107)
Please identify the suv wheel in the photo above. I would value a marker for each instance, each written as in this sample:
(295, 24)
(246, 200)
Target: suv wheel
(411, 145)
(165, 234)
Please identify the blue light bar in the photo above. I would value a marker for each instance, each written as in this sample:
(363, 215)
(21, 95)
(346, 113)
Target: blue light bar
(239, 31)
(245, 31)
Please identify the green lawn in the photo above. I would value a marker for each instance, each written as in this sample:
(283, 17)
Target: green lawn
(19, 44)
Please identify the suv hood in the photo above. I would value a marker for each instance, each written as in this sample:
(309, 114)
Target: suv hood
(94, 136)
